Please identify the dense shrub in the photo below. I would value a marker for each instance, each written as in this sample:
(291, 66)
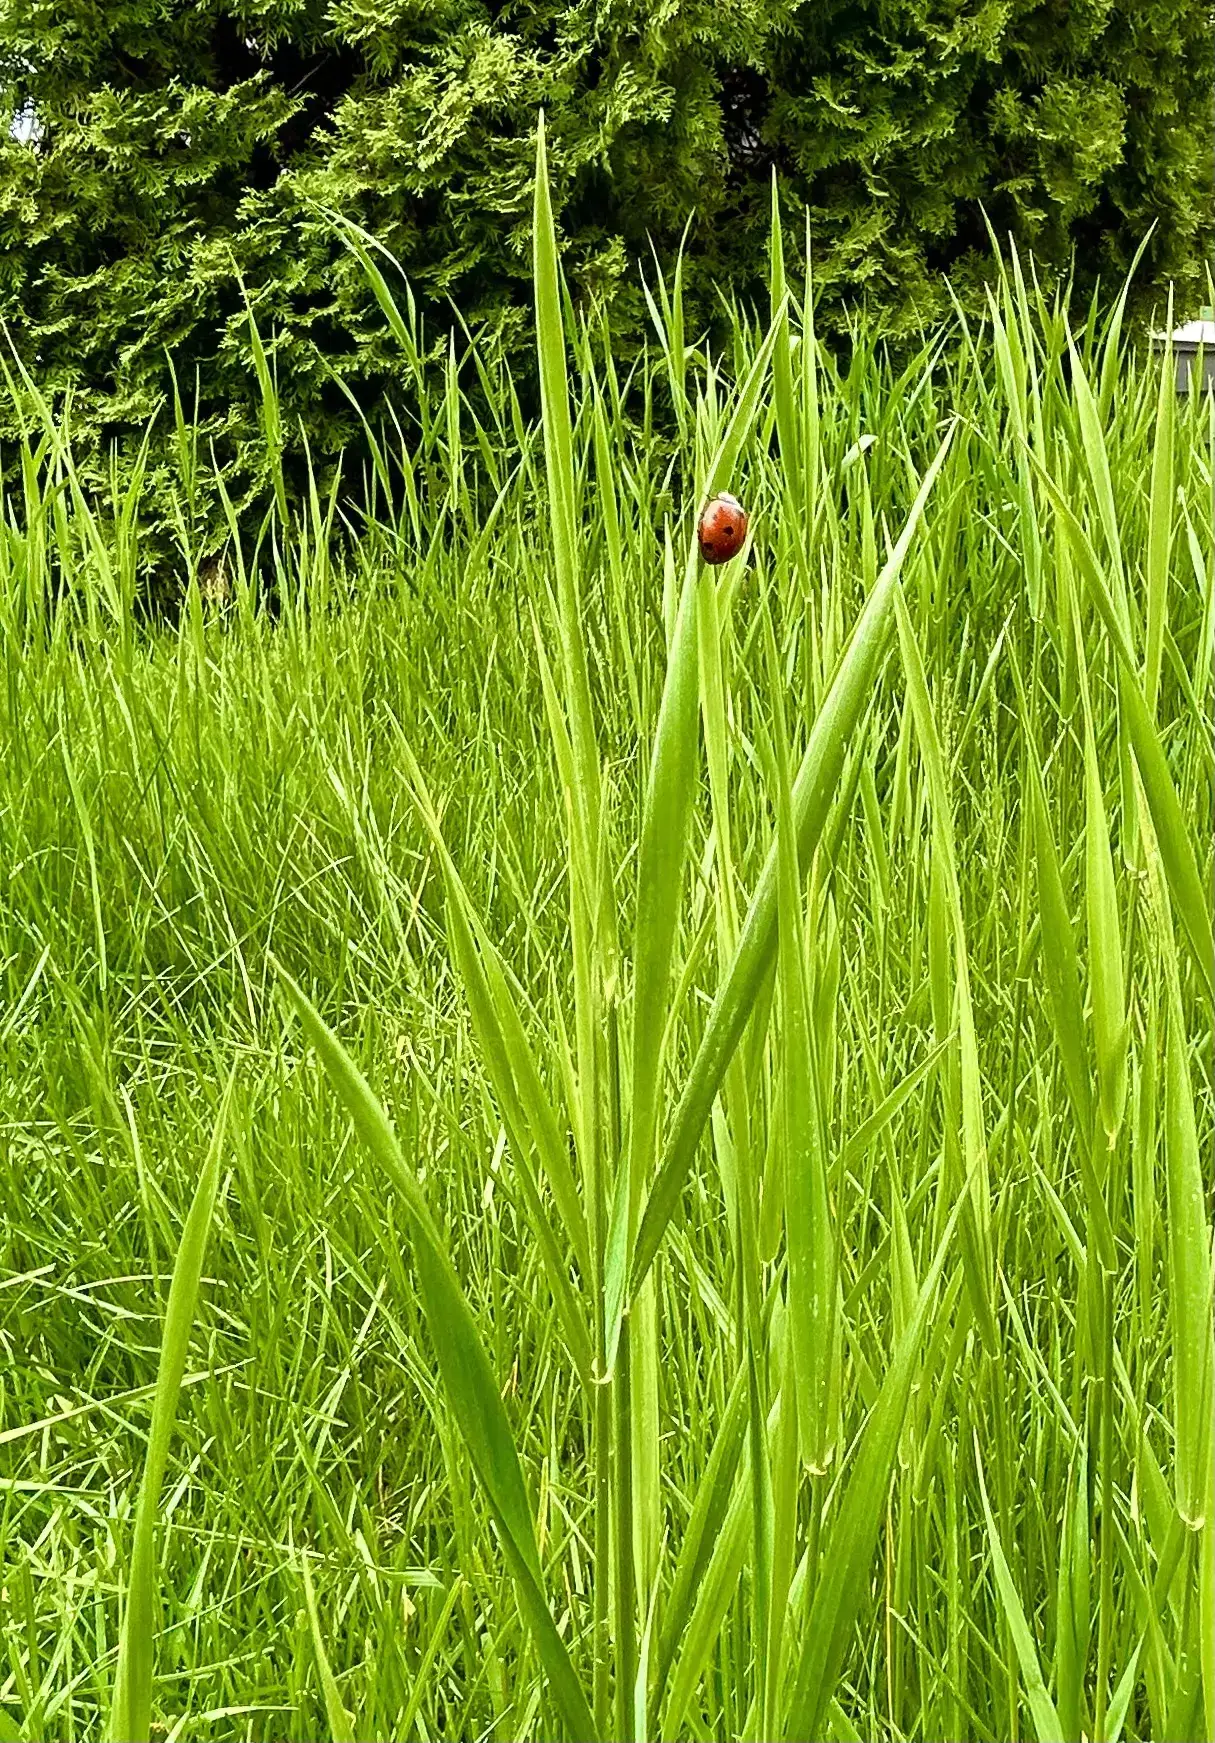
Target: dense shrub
(168, 158)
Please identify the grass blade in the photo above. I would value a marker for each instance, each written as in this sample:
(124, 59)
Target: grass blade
(1060, 958)
(1176, 848)
(843, 707)
(559, 465)
(1073, 1604)
(1042, 1708)
(1188, 1238)
(468, 1379)
(976, 1225)
(666, 825)
(812, 1286)
(1160, 528)
(341, 1725)
(131, 1713)
(848, 1555)
(1110, 1024)
(526, 1109)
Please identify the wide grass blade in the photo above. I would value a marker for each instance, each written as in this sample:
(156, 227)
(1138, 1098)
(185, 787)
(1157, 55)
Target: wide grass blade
(813, 1286)
(817, 779)
(665, 834)
(1191, 1284)
(560, 472)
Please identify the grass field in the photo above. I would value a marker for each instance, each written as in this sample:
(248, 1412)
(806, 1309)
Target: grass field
(784, 1308)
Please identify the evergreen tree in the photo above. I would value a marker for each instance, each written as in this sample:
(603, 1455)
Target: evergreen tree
(168, 159)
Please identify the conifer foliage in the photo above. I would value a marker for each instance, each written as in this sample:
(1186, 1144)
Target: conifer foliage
(166, 163)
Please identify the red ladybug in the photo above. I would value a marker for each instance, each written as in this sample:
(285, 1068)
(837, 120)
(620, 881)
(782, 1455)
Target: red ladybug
(723, 527)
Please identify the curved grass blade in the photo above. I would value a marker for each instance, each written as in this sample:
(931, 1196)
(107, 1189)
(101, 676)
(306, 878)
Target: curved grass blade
(714, 1590)
(1060, 958)
(526, 1109)
(131, 1713)
(1160, 529)
(976, 1225)
(1189, 1237)
(708, 1520)
(1042, 1708)
(468, 1380)
(341, 1725)
(1110, 1025)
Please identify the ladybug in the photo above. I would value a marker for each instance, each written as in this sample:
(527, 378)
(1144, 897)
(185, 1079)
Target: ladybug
(722, 529)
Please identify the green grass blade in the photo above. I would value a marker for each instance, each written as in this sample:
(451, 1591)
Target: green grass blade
(341, 1725)
(848, 1554)
(1160, 528)
(1093, 440)
(526, 1109)
(1041, 1707)
(1120, 1700)
(560, 472)
(1176, 847)
(131, 1713)
(665, 833)
(812, 1286)
(707, 1521)
(711, 1600)
(871, 1129)
(976, 1225)
(1172, 830)
(849, 1546)
(403, 328)
(1073, 1603)
(472, 1390)
(782, 357)
(1189, 1250)
(1206, 1597)
(1110, 1024)
(818, 777)
(1060, 957)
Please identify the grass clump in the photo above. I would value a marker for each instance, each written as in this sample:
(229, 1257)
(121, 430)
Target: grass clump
(770, 1291)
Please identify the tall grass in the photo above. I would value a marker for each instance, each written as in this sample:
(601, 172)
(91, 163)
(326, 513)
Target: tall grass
(715, 1239)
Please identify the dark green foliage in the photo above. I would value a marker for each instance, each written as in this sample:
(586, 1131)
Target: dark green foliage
(172, 159)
